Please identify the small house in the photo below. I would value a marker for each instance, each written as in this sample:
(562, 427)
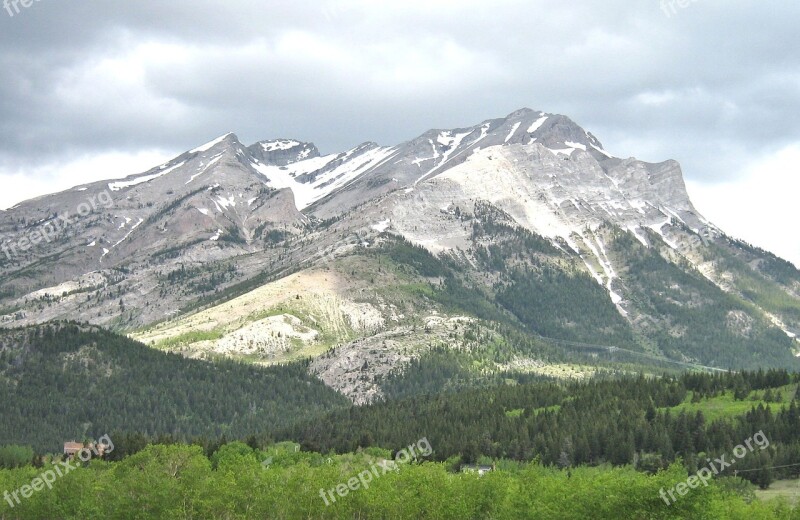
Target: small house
(480, 469)
(72, 448)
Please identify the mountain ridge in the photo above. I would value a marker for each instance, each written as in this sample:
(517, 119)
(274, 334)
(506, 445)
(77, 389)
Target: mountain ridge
(225, 219)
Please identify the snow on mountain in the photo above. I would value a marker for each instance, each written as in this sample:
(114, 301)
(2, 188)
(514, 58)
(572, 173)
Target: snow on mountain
(281, 144)
(537, 124)
(209, 145)
(116, 186)
(312, 179)
(248, 205)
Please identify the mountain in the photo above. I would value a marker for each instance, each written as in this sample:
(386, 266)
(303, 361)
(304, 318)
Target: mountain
(519, 243)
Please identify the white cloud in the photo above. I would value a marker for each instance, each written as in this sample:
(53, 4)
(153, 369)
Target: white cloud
(762, 206)
(56, 177)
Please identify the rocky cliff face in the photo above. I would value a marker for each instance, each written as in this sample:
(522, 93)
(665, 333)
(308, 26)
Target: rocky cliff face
(224, 219)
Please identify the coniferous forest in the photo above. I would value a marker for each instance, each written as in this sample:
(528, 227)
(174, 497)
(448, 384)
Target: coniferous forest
(211, 435)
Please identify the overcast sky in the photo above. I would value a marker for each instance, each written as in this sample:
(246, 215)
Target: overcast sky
(101, 89)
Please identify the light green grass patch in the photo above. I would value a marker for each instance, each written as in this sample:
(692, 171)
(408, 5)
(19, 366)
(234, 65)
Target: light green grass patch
(787, 489)
(726, 407)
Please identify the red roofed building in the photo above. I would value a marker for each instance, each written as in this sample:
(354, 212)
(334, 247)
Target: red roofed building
(71, 448)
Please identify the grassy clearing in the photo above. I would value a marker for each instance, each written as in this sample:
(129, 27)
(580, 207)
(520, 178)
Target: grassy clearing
(189, 338)
(725, 406)
(786, 489)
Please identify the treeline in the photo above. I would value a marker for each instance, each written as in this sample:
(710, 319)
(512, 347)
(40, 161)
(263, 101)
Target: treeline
(621, 421)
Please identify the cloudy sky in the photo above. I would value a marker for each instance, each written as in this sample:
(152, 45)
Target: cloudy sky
(96, 89)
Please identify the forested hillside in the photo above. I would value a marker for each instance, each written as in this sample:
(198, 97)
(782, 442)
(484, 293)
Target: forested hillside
(616, 438)
(648, 422)
(65, 381)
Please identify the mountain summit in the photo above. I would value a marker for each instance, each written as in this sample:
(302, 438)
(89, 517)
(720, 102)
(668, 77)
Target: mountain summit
(519, 211)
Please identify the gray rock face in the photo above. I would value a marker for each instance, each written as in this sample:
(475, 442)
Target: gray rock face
(281, 152)
(130, 252)
(436, 151)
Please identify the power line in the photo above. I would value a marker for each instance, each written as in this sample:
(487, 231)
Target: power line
(770, 467)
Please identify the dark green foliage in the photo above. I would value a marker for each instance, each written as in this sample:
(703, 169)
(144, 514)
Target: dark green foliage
(264, 277)
(232, 235)
(171, 206)
(437, 371)
(456, 296)
(274, 236)
(558, 304)
(454, 292)
(694, 313)
(176, 251)
(783, 272)
(492, 223)
(65, 381)
(15, 456)
(587, 423)
(405, 253)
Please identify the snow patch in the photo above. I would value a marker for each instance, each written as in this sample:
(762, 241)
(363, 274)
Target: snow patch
(226, 201)
(513, 131)
(129, 233)
(602, 151)
(435, 155)
(634, 230)
(281, 144)
(664, 208)
(575, 145)
(381, 226)
(116, 186)
(210, 144)
(305, 194)
(605, 264)
(451, 142)
(211, 163)
(657, 229)
(537, 124)
(571, 147)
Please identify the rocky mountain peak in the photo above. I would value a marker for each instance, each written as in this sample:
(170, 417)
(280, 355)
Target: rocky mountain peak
(282, 152)
(224, 141)
(224, 214)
